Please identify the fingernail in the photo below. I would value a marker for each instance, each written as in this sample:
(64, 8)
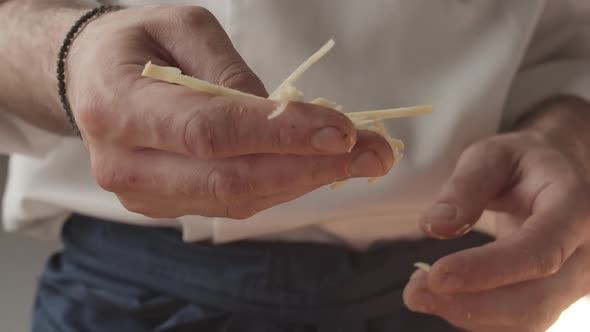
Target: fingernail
(366, 164)
(330, 140)
(441, 213)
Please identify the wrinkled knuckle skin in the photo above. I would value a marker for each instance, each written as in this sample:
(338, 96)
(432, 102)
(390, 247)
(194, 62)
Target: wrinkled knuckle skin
(237, 74)
(549, 263)
(483, 150)
(226, 188)
(104, 175)
(165, 21)
(199, 137)
(93, 120)
(193, 16)
(111, 179)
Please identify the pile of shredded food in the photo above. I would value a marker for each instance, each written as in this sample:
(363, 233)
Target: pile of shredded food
(287, 92)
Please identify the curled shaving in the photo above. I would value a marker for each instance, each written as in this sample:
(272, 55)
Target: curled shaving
(422, 266)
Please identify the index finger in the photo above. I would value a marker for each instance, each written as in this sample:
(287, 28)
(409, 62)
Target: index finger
(174, 119)
(539, 249)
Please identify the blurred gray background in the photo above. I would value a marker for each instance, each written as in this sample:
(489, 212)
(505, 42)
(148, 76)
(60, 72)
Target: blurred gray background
(21, 262)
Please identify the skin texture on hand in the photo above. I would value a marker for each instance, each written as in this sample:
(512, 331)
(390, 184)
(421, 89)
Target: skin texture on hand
(31, 33)
(536, 180)
(168, 151)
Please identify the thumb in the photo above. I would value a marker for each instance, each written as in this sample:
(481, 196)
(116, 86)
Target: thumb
(483, 172)
(201, 48)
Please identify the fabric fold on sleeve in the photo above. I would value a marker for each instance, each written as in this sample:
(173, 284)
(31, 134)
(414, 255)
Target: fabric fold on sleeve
(19, 137)
(557, 61)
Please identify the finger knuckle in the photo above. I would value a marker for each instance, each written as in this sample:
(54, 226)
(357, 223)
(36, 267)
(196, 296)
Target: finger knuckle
(235, 120)
(199, 137)
(93, 119)
(164, 127)
(226, 187)
(199, 16)
(113, 179)
(490, 150)
(105, 176)
(236, 74)
(193, 16)
(555, 164)
(551, 260)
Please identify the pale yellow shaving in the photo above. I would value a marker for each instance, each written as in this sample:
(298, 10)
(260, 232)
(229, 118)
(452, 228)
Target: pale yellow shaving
(327, 103)
(290, 81)
(174, 75)
(373, 180)
(422, 266)
(391, 113)
(337, 185)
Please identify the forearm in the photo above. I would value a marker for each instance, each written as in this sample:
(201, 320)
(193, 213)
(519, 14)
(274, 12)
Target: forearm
(31, 33)
(565, 121)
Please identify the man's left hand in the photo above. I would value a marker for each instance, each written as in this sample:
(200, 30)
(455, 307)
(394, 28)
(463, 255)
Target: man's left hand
(540, 262)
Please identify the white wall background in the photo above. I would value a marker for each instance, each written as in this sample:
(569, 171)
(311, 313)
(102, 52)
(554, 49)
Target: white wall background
(21, 261)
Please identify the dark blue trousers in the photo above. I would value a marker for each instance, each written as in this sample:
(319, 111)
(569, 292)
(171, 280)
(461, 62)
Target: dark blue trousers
(113, 277)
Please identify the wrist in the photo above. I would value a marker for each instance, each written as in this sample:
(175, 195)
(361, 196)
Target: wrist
(63, 20)
(33, 32)
(564, 123)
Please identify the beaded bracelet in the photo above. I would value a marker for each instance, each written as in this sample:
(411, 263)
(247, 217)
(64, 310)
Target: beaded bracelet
(63, 53)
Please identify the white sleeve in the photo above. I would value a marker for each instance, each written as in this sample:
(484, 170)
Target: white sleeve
(17, 136)
(557, 61)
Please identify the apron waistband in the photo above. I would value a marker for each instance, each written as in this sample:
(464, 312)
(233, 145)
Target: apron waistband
(288, 281)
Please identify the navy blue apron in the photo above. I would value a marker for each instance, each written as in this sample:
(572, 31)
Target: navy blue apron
(114, 277)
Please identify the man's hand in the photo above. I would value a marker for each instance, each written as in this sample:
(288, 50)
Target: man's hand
(537, 180)
(167, 151)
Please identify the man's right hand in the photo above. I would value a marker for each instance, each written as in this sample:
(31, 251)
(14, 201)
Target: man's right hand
(167, 151)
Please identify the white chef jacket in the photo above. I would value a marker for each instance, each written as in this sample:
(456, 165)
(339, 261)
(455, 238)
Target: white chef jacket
(480, 63)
